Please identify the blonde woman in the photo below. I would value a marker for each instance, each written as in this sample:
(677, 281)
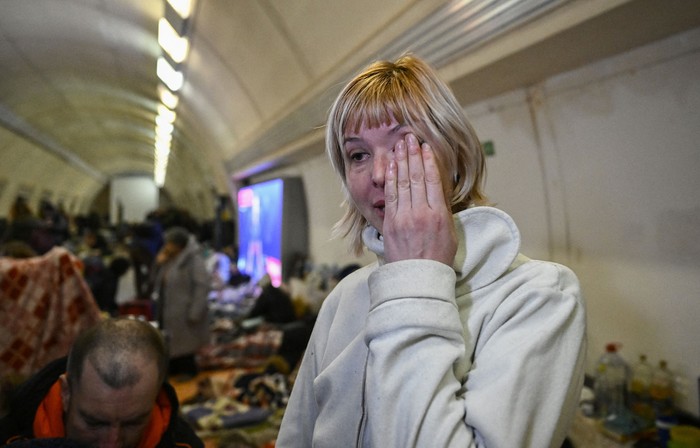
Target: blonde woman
(452, 338)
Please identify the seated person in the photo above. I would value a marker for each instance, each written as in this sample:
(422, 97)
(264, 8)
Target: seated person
(273, 304)
(109, 391)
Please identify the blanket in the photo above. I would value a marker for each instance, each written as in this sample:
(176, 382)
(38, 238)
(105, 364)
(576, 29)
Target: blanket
(44, 304)
(247, 350)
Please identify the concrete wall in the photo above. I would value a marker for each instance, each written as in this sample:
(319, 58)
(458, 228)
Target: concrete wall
(601, 169)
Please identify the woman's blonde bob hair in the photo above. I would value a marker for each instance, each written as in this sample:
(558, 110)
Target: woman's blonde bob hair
(410, 92)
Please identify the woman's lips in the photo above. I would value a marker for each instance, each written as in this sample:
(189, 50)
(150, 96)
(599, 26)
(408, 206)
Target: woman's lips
(379, 207)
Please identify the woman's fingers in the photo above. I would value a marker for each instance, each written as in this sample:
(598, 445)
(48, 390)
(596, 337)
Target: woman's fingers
(390, 194)
(416, 173)
(417, 222)
(403, 185)
(435, 194)
(418, 181)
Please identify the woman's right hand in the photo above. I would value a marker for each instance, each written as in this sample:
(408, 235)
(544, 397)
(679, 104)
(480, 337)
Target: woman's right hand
(418, 222)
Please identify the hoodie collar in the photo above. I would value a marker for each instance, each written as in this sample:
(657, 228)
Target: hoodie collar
(489, 242)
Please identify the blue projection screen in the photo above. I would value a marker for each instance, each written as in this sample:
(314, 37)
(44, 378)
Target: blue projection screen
(271, 227)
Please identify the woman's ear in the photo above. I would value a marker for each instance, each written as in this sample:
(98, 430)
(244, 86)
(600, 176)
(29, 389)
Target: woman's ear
(65, 392)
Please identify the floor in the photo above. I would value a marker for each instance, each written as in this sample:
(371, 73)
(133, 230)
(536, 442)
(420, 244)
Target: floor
(186, 389)
(255, 436)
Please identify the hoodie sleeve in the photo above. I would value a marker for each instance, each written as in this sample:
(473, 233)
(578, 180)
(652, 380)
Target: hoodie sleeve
(512, 395)
(415, 339)
(528, 362)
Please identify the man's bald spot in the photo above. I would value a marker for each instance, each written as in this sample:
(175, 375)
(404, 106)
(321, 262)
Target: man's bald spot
(118, 349)
(119, 369)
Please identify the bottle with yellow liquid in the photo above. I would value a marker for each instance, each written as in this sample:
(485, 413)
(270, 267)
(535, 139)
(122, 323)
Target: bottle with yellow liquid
(639, 387)
(661, 390)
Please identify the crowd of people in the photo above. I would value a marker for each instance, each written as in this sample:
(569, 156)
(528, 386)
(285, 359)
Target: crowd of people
(159, 262)
(109, 252)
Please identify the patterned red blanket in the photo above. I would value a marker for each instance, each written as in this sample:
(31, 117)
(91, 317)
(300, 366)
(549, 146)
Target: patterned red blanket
(44, 304)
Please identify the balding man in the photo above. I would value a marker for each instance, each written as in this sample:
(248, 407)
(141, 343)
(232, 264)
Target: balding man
(111, 391)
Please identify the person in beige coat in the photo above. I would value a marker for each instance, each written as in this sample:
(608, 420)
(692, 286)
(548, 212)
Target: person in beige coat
(180, 288)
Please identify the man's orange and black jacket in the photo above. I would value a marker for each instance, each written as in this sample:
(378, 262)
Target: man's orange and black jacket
(35, 411)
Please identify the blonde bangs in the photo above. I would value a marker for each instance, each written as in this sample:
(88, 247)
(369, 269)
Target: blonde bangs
(377, 100)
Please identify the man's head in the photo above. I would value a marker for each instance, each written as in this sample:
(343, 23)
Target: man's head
(115, 371)
(175, 239)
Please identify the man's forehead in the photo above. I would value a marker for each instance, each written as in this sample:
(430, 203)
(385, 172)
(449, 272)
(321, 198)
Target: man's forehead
(111, 372)
(123, 416)
(94, 397)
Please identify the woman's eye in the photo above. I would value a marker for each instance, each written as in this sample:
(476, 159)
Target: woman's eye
(357, 156)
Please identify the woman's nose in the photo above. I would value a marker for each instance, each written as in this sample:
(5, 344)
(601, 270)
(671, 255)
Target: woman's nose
(379, 169)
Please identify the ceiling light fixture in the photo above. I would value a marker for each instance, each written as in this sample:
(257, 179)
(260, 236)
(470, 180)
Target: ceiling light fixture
(167, 114)
(168, 98)
(163, 129)
(182, 7)
(172, 30)
(175, 45)
(170, 77)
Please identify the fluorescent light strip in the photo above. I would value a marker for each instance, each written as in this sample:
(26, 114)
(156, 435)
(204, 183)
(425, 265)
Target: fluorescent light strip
(159, 174)
(162, 149)
(163, 127)
(171, 77)
(166, 139)
(173, 44)
(182, 7)
(167, 97)
(167, 114)
(177, 47)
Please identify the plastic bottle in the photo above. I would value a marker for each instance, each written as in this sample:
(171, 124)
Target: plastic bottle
(661, 390)
(611, 383)
(601, 395)
(639, 400)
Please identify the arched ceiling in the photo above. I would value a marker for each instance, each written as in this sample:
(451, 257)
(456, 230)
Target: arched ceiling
(78, 77)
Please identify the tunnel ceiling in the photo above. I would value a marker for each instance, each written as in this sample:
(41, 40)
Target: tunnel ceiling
(78, 77)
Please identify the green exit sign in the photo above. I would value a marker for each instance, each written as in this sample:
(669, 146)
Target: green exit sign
(489, 149)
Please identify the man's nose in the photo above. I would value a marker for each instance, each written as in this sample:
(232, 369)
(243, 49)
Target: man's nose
(112, 437)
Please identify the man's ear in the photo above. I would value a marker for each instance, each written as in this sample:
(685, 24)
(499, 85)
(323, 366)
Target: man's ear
(65, 392)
